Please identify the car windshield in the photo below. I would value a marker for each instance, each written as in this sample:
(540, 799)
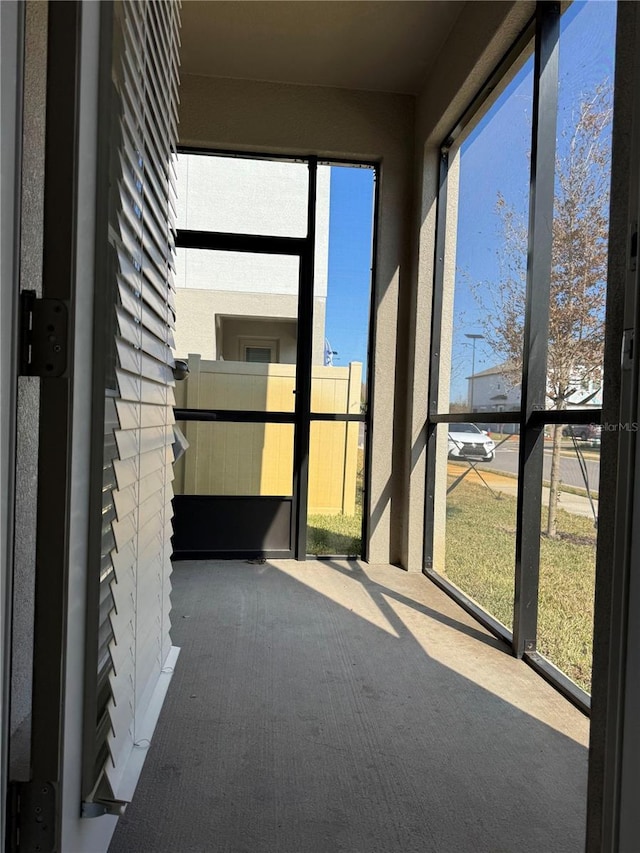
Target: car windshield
(464, 428)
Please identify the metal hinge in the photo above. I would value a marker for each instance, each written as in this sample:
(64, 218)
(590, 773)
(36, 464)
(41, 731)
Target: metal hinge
(43, 335)
(32, 817)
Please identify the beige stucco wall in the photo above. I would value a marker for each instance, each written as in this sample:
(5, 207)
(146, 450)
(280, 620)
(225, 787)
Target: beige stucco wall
(288, 119)
(197, 332)
(196, 310)
(449, 275)
(237, 332)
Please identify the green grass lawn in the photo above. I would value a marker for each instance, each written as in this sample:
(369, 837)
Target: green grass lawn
(338, 534)
(480, 541)
(334, 534)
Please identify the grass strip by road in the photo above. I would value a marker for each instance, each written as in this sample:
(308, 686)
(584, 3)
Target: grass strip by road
(490, 468)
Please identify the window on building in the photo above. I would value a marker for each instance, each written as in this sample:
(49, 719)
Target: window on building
(259, 353)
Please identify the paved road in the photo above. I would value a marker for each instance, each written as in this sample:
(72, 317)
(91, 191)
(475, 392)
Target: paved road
(506, 459)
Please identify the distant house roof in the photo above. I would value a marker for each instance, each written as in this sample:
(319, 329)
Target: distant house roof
(498, 370)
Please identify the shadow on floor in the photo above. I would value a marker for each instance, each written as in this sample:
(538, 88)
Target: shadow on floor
(310, 712)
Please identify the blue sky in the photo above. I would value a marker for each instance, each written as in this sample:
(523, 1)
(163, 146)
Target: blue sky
(494, 158)
(349, 277)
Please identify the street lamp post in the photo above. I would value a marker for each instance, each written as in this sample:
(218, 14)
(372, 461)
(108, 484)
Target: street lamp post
(473, 338)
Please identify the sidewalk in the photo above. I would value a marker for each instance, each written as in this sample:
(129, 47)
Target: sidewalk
(508, 485)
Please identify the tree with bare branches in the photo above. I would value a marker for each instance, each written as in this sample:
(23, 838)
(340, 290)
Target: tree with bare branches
(578, 271)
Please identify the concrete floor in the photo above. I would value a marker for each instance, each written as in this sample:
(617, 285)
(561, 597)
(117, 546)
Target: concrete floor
(334, 706)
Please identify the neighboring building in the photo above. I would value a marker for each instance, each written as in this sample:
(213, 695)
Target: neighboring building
(496, 389)
(236, 306)
(493, 390)
(587, 393)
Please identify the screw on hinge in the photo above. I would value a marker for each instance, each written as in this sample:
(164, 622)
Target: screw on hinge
(32, 820)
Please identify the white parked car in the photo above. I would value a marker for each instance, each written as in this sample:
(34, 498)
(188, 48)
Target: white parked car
(466, 441)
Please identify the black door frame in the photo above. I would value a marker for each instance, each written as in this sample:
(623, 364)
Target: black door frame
(254, 244)
(302, 416)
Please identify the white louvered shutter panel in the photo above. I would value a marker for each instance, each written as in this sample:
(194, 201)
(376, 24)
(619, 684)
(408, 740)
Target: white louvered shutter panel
(135, 656)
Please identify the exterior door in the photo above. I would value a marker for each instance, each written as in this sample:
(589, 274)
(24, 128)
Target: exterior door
(237, 485)
(244, 296)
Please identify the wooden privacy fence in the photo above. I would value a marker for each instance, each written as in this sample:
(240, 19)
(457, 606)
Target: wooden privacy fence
(257, 459)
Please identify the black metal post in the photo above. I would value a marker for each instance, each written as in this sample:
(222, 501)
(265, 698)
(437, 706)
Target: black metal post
(304, 359)
(371, 348)
(434, 365)
(534, 368)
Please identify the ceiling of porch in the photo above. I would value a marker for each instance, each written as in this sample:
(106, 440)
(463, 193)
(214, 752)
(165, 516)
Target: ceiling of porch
(375, 45)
